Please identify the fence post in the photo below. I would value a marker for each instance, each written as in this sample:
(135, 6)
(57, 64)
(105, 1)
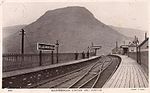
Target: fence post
(40, 58)
(52, 55)
(57, 46)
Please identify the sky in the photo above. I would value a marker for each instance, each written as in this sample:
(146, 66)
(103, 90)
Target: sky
(122, 14)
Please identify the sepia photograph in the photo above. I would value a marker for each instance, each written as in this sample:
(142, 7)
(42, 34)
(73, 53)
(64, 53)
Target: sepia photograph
(75, 45)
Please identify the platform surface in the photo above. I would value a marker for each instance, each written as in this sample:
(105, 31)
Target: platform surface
(128, 75)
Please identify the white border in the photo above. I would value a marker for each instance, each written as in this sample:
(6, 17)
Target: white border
(107, 90)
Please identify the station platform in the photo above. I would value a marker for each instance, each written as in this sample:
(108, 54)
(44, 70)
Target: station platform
(128, 75)
(29, 70)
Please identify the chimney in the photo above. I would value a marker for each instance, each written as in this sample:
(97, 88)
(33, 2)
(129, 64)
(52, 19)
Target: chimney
(92, 44)
(116, 44)
(145, 35)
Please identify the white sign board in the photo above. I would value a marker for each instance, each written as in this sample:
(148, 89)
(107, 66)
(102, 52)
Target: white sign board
(96, 47)
(42, 46)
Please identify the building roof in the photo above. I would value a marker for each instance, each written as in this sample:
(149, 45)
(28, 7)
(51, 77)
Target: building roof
(124, 46)
(143, 42)
(132, 45)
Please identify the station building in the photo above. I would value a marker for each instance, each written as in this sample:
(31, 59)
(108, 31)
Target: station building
(138, 52)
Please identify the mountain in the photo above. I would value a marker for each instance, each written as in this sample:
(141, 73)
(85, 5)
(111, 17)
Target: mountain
(129, 32)
(74, 27)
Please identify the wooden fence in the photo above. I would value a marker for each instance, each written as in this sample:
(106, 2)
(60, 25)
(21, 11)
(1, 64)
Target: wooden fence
(17, 61)
(142, 59)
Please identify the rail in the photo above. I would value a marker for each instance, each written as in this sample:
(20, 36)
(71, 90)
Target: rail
(93, 80)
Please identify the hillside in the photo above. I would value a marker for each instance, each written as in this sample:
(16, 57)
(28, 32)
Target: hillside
(129, 32)
(74, 27)
(10, 30)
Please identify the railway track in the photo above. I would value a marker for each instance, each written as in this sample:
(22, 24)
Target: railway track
(86, 77)
(91, 83)
(89, 79)
(54, 82)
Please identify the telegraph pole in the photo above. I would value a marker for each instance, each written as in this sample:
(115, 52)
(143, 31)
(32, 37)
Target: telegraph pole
(57, 46)
(22, 41)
